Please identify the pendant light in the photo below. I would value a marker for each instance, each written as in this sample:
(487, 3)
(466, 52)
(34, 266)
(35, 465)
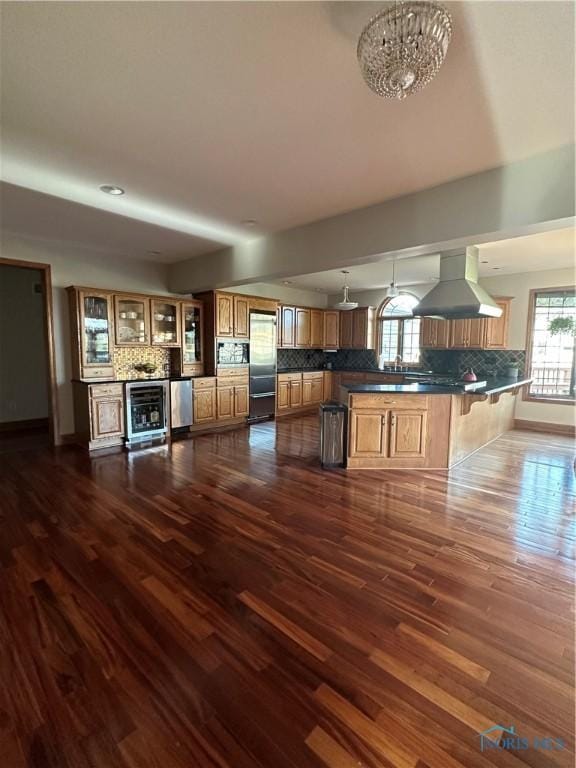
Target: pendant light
(346, 303)
(392, 290)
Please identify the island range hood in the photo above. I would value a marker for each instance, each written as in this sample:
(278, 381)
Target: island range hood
(458, 294)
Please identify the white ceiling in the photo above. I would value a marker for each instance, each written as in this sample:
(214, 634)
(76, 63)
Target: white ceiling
(213, 113)
(533, 253)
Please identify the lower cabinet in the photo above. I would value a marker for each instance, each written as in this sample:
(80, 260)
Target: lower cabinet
(99, 414)
(368, 434)
(299, 391)
(232, 399)
(241, 400)
(407, 434)
(204, 405)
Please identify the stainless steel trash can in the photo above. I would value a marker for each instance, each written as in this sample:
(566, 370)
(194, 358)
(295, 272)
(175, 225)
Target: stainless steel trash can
(333, 418)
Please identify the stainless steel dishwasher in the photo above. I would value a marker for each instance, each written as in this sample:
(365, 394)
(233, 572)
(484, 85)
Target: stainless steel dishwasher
(181, 403)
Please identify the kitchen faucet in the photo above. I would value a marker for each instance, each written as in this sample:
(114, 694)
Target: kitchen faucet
(397, 359)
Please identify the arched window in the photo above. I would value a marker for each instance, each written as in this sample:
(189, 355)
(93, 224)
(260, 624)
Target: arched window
(398, 330)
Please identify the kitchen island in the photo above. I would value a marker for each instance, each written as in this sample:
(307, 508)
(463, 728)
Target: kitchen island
(424, 426)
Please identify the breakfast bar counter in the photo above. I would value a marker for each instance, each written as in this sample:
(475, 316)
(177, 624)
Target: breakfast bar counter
(424, 426)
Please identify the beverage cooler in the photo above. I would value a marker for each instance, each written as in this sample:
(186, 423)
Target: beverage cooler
(146, 412)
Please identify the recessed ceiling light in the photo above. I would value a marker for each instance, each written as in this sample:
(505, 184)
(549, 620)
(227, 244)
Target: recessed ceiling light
(495, 267)
(287, 282)
(111, 189)
(154, 253)
(249, 222)
(484, 262)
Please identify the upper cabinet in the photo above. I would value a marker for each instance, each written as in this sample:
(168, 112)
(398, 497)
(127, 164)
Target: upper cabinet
(331, 329)
(286, 326)
(469, 333)
(165, 323)
(192, 341)
(92, 326)
(241, 317)
(357, 328)
(132, 320)
(302, 327)
(232, 313)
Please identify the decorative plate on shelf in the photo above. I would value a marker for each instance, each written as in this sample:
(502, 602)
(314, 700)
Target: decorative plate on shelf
(127, 334)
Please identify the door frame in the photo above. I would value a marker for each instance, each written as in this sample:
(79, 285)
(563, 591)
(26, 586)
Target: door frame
(46, 280)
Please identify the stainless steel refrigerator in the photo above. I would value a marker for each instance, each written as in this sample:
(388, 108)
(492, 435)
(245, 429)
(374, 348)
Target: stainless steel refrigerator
(262, 365)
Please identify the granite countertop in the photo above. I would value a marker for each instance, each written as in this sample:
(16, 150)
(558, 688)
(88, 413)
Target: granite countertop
(133, 379)
(493, 386)
(299, 369)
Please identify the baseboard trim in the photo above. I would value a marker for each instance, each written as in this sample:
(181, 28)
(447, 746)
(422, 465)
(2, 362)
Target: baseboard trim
(545, 426)
(23, 426)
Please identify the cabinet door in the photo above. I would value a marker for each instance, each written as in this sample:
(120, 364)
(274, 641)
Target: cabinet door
(346, 329)
(204, 405)
(225, 397)
(241, 314)
(331, 336)
(476, 333)
(496, 328)
(306, 392)
(442, 334)
(241, 400)
(287, 328)
(316, 328)
(132, 320)
(327, 386)
(295, 394)
(359, 329)
(107, 417)
(317, 390)
(368, 434)
(224, 314)
(302, 327)
(459, 333)
(408, 434)
(283, 395)
(428, 328)
(96, 330)
(192, 326)
(165, 323)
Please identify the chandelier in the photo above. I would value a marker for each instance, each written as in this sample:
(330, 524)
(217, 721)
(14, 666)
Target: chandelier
(346, 303)
(402, 48)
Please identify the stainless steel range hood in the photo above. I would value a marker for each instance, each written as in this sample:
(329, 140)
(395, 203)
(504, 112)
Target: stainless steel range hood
(458, 294)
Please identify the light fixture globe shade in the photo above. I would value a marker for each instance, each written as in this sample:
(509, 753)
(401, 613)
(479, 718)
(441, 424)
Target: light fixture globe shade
(402, 48)
(346, 304)
(392, 291)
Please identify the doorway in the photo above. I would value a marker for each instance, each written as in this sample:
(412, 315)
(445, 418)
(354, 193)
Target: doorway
(28, 412)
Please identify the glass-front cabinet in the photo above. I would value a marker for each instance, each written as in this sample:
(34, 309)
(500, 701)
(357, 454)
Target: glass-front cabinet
(132, 320)
(192, 344)
(165, 323)
(92, 354)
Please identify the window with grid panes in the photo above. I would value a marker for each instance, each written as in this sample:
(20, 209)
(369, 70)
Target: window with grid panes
(551, 355)
(398, 330)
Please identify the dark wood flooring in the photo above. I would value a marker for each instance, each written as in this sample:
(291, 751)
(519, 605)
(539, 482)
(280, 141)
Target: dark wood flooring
(228, 604)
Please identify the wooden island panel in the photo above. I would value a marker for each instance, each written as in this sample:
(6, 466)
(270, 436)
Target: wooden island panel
(476, 424)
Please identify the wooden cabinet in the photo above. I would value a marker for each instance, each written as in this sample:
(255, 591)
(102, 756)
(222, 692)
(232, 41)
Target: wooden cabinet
(312, 388)
(282, 395)
(165, 317)
(241, 400)
(232, 394)
(192, 313)
(331, 329)
(99, 414)
(368, 434)
(434, 333)
(241, 317)
(204, 400)
(316, 328)
(131, 320)
(107, 417)
(470, 333)
(224, 314)
(496, 328)
(407, 434)
(92, 327)
(327, 386)
(357, 328)
(286, 336)
(295, 394)
(302, 327)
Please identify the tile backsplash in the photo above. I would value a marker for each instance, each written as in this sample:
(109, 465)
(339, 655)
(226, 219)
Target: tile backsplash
(493, 362)
(126, 357)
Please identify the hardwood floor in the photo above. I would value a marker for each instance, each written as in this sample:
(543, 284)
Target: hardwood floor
(229, 604)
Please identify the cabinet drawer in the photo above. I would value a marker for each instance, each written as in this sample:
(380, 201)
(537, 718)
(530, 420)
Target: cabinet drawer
(316, 376)
(233, 373)
(205, 383)
(282, 377)
(389, 401)
(106, 390)
(97, 373)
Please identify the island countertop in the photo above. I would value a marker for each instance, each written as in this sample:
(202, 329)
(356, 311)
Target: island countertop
(493, 386)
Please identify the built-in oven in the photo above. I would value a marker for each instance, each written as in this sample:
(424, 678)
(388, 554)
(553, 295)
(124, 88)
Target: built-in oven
(146, 412)
(232, 352)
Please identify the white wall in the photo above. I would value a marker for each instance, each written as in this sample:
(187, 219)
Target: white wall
(284, 293)
(78, 266)
(23, 360)
(519, 287)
